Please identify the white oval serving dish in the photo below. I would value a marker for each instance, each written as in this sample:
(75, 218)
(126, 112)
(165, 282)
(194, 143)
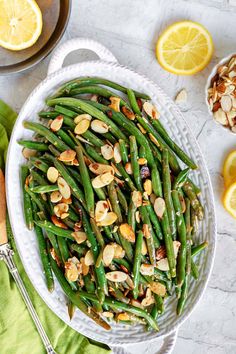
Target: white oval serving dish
(107, 67)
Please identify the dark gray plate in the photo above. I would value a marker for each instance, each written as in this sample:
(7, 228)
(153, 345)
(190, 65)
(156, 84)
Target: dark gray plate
(56, 14)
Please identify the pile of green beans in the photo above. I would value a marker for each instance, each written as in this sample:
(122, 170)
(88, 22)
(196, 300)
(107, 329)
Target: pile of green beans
(114, 215)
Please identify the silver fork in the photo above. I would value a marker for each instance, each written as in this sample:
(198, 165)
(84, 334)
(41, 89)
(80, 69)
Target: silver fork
(6, 254)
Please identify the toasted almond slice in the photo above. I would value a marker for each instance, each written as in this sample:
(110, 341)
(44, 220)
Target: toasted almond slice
(60, 208)
(142, 161)
(79, 236)
(136, 303)
(56, 124)
(148, 186)
(127, 232)
(231, 118)
(64, 215)
(154, 140)
(99, 168)
(150, 110)
(88, 258)
(176, 245)
(52, 174)
(222, 70)
(158, 288)
(123, 316)
(75, 162)
(108, 255)
(160, 252)
(107, 178)
(64, 188)
(130, 282)
(82, 127)
(71, 271)
(44, 197)
(97, 182)
(148, 301)
(147, 269)
(152, 198)
(117, 155)
(144, 248)
(118, 251)
(128, 113)
(163, 264)
(107, 152)
(27, 153)
(101, 210)
(148, 293)
(81, 117)
(55, 197)
(116, 276)
(85, 268)
(115, 103)
(116, 171)
(58, 223)
(119, 181)
(128, 168)
(141, 128)
(220, 117)
(159, 207)
(146, 231)
(99, 127)
(181, 97)
(226, 103)
(137, 216)
(67, 201)
(108, 314)
(67, 156)
(137, 198)
(110, 218)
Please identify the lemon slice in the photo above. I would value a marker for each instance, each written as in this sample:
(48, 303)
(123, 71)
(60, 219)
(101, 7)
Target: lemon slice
(184, 48)
(20, 23)
(229, 168)
(229, 199)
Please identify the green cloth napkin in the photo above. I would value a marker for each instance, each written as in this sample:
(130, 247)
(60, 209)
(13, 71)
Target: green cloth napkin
(18, 334)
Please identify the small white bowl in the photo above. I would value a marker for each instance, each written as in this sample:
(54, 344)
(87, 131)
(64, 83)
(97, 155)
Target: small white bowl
(208, 85)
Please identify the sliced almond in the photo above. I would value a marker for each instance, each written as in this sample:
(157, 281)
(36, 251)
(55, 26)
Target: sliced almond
(115, 103)
(107, 152)
(226, 103)
(159, 207)
(233, 129)
(81, 117)
(85, 268)
(220, 117)
(67, 201)
(94, 98)
(136, 303)
(137, 216)
(147, 269)
(127, 232)
(102, 180)
(144, 248)
(123, 316)
(110, 218)
(147, 301)
(137, 198)
(116, 171)
(163, 264)
(181, 97)
(176, 245)
(160, 253)
(82, 127)
(116, 276)
(148, 186)
(117, 155)
(101, 210)
(55, 197)
(71, 271)
(146, 231)
(83, 140)
(67, 156)
(108, 314)
(56, 124)
(150, 110)
(148, 293)
(141, 128)
(108, 255)
(64, 215)
(182, 203)
(44, 197)
(99, 127)
(154, 140)
(99, 168)
(128, 113)
(58, 223)
(158, 288)
(152, 198)
(142, 161)
(118, 251)
(79, 236)
(231, 116)
(27, 153)
(88, 258)
(128, 168)
(64, 188)
(130, 282)
(60, 208)
(52, 174)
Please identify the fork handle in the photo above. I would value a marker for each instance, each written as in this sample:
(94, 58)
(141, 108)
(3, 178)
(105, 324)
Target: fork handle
(6, 254)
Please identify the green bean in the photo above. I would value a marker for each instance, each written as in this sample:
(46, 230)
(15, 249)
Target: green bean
(168, 244)
(160, 275)
(66, 138)
(122, 200)
(53, 240)
(48, 114)
(134, 162)
(156, 182)
(142, 152)
(88, 108)
(131, 219)
(181, 179)
(97, 233)
(194, 270)
(129, 254)
(85, 178)
(50, 136)
(45, 189)
(74, 298)
(181, 263)
(149, 239)
(65, 111)
(154, 314)
(47, 225)
(40, 203)
(90, 288)
(64, 250)
(133, 102)
(71, 309)
(34, 145)
(114, 201)
(155, 222)
(95, 155)
(79, 249)
(38, 178)
(167, 192)
(93, 139)
(86, 81)
(26, 199)
(123, 151)
(39, 163)
(196, 205)
(126, 176)
(137, 262)
(108, 136)
(196, 249)
(100, 193)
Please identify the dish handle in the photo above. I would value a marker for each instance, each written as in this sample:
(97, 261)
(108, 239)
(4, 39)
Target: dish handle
(166, 347)
(66, 48)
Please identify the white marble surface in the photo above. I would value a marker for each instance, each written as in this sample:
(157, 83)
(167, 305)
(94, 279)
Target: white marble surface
(129, 28)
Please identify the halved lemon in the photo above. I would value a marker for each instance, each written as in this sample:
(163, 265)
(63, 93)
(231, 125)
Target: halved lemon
(184, 48)
(20, 23)
(229, 199)
(229, 168)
